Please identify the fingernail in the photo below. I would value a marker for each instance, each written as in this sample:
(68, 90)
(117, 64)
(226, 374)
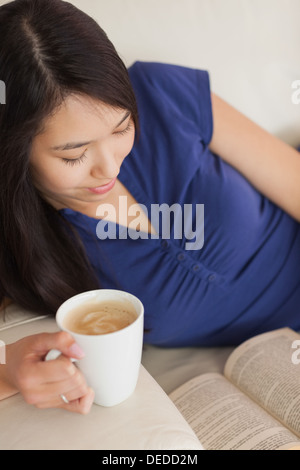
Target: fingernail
(76, 351)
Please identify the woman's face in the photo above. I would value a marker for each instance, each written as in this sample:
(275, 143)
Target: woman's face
(77, 158)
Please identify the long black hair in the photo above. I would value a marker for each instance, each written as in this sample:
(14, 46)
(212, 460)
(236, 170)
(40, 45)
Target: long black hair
(48, 50)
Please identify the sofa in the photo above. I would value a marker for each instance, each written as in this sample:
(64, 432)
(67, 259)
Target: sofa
(251, 50)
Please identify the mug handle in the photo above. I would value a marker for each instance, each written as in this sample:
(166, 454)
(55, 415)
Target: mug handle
(54, 354)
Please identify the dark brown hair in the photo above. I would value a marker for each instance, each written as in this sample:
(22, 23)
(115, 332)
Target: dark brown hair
(48, 50)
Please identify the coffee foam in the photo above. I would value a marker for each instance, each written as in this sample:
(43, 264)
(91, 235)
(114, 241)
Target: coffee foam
(100, 318)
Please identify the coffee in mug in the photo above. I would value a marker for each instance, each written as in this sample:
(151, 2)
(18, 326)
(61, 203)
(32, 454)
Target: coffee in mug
(99, 318)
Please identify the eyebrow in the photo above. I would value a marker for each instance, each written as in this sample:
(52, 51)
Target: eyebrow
(76, 145)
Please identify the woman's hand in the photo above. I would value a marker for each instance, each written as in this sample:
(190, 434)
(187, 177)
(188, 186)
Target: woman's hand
(43, 382)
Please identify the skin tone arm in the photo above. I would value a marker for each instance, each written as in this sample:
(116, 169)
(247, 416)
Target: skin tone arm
(271, 166)
(6, 389)
(41, 383)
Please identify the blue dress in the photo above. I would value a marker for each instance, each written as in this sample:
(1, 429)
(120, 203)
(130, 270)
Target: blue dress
(245, 279)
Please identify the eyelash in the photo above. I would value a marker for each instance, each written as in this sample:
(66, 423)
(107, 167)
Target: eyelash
(74, 161)
(77, 161)
(128, 128)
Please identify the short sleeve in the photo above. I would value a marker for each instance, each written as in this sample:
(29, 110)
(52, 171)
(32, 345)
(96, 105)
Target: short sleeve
(184, 91)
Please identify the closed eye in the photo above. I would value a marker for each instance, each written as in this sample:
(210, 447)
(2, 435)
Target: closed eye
(77, 161)
(128, 128)
(74, 161)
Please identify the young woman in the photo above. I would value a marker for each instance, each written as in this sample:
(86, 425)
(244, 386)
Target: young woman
(81, 135)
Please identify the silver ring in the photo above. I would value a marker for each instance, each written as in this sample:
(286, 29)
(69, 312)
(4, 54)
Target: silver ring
(64, 399)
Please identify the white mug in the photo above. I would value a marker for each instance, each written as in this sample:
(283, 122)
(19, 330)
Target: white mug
(112, 361)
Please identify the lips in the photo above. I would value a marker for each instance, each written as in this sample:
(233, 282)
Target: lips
(103, 189)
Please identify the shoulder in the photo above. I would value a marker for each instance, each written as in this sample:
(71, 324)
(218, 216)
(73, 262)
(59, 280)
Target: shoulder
(166, 77)
(175, 91)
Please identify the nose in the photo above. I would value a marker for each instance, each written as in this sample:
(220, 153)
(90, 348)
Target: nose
(105, 167)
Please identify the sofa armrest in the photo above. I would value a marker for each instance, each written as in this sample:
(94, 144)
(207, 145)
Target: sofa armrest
(147, 420)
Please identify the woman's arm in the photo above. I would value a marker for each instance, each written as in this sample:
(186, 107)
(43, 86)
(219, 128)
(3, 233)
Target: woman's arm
(6, 389)
(271, 165)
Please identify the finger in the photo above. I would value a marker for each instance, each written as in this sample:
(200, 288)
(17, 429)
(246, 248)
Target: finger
(80, 405)
(42, 377)
(83, 404)
(55, 371)
(62, 341)
(73, 387)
